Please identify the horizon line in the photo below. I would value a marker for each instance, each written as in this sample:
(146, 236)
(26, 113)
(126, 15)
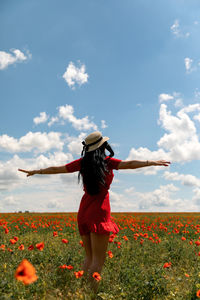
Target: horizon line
(117, 212)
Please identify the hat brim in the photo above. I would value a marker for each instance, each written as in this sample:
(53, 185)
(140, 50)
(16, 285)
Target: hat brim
(97, 145)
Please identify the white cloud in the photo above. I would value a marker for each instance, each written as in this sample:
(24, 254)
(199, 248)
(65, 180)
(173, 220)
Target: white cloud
(177, 31)
(55, 204)
(190, 108)
(139, 105)
(9, 201)
(175, 96)
(7, 59)
(163, 198)
(178, 102)
(67, 113)
(119, 203)
(53, 159)
(41, 119)
(187, 34)
(75, 143)
(130, 190)
(44, 194)
(144, 154)
(31, 141)
(103, 124)
(196, 197)
(49, 191)
(188, 64)
(180, 127)
(165, 97)
(175, 28)
(197, 94)
(180, 142)
(9, 177)
(159, 198)
(197, 117)
(75, 75)
(191, 66)
(53, 120)
(185, 179)
(58, 192)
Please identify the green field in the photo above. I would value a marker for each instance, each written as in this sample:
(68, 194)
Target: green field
(137, 270)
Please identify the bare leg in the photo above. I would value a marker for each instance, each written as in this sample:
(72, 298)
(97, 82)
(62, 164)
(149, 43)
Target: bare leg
(99, 244)
(88, 252)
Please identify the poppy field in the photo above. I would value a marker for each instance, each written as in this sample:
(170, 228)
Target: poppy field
(154, 256)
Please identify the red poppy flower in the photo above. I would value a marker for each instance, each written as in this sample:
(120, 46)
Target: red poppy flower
(111, 238)
(31, 247)
(81, 242)
(21, 247)
(141, 241)
(197, 243)
(167, 265)
(65, 241)
(40, 246)
(12, 241)
(66, 267)
(63, 267)
(16, 238)
(70, 267)
(198, 294)
(2, 247)
(158, 241)
(96, 276)
(110, 254)
(79, 274)
(26, 272)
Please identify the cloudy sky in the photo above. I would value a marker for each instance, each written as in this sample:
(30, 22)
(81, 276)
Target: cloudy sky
(129, 69)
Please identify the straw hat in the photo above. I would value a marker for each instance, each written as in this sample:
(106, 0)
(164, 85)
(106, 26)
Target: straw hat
(93, 141)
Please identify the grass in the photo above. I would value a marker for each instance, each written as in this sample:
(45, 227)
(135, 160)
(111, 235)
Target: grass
(143, 245)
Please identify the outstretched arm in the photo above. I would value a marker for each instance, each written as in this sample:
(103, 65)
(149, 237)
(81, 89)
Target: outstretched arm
(135, 164)
(50, 170)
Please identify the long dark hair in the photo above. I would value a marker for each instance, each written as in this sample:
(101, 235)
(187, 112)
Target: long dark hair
(93, 168)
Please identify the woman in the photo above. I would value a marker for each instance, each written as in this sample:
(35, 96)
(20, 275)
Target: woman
(94, 219)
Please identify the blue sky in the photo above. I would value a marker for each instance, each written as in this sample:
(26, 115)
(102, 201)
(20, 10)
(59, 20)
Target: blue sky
(127, 68)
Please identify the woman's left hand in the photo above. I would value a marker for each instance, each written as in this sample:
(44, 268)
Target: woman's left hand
(161, 163)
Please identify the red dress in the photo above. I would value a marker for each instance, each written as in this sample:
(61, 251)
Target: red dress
(94, 210)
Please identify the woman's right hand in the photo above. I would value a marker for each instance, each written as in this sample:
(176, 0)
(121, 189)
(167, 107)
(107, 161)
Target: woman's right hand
(29, 173)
